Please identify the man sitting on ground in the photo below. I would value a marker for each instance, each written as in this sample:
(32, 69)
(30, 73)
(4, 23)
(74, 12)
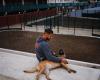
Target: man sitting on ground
(43, 50)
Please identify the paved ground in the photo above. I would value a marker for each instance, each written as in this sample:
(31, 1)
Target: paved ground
(14, 62)
(2, 77)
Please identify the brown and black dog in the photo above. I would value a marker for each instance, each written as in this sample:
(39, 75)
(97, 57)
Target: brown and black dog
(45, 66)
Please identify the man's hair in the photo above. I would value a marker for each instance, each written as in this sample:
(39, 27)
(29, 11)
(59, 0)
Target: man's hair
(49, 31)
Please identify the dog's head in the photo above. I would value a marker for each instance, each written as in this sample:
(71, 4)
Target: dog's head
(61, 53)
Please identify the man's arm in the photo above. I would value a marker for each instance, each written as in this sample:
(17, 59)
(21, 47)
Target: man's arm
(48, 54)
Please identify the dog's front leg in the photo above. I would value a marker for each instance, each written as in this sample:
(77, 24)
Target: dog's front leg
(67, 68)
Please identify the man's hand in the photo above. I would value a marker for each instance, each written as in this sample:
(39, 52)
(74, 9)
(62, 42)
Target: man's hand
(64, 61)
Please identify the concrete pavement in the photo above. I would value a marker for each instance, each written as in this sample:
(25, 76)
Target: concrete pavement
(12, 64)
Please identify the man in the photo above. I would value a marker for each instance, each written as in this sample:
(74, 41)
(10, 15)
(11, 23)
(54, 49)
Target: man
(43, 50)
(46, 56)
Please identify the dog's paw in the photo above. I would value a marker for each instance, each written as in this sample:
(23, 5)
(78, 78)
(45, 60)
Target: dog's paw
(72, 71)
(48, 79)
(69, 71)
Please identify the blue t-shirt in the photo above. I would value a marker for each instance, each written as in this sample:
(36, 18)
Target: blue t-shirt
(43, 51)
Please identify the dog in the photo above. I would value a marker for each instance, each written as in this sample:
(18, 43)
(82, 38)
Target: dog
(44, 67)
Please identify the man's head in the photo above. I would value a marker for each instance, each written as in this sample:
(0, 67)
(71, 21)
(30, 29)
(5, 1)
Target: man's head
(47, 35)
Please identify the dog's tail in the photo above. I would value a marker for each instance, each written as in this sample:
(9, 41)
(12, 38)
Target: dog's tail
(31, 70)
